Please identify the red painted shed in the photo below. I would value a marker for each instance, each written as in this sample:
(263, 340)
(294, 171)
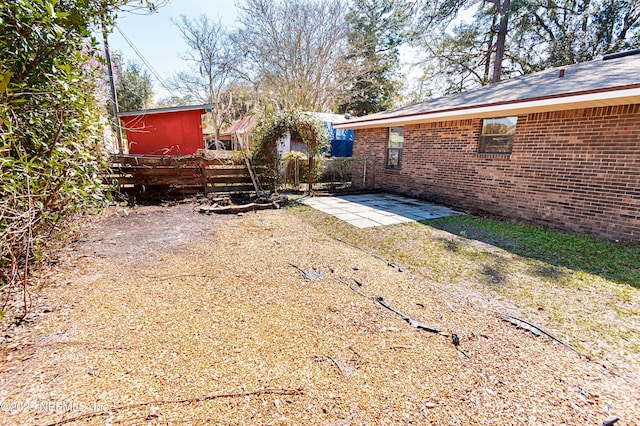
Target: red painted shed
(165, 131)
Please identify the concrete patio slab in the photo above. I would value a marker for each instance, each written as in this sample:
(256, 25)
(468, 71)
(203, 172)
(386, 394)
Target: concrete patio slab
(388, 220)
(369, 210)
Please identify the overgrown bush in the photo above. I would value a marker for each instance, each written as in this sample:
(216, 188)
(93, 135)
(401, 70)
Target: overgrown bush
(50, 153)
(271, 130)
(337, 169)
(296, 168)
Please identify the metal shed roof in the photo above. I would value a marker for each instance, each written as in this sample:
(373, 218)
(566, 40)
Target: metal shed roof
(243, 125)
(165, 110)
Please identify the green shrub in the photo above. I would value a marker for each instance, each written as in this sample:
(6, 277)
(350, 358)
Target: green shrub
(296, 165)
(50, 140)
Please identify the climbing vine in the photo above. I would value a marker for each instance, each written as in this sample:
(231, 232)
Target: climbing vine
(272, 130)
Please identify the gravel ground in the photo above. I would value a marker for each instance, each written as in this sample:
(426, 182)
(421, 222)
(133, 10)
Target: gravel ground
(165, 316)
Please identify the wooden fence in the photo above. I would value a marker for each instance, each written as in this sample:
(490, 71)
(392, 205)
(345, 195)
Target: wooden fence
(134, 174)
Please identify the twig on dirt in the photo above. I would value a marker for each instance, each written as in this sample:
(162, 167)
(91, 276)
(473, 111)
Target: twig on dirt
(314, 274)
(346, 369)
(448, 305)
(266, 391)
(402, 347)
(354, 351)
(549, 335)
(355, 290)
(456, 342)
(382, 302)
(302, 271)
(463, 353)
(170, 277)
(363, 250)
(413, 323)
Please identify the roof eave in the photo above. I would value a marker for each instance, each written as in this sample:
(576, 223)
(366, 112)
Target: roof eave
(166, 110)
(599, 99)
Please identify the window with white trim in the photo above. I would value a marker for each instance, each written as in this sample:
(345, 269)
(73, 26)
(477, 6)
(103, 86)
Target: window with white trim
(497, 135)
(394, 148)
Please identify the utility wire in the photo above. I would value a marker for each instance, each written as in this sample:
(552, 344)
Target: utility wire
(146, 62)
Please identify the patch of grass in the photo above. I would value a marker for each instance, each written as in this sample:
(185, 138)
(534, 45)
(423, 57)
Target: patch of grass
(584, 290)
(613, 261)
(550, 272)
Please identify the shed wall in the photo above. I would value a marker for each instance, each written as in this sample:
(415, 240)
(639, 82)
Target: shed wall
(576, 170)
(167, 133)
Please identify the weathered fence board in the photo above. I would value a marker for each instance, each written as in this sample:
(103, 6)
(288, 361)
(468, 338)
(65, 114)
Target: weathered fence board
(141, 160)
(184, 175)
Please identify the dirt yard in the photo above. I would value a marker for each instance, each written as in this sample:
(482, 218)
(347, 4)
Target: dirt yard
(161, 315)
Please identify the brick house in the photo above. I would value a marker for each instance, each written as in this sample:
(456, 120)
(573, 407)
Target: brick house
(559, 148)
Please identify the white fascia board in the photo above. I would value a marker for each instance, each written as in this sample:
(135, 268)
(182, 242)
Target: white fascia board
(165, 110)
(614, 97)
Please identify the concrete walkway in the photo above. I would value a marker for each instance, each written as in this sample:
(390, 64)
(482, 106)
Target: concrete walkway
(368, 210)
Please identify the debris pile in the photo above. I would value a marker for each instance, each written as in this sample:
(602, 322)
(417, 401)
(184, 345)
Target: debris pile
(223, 206)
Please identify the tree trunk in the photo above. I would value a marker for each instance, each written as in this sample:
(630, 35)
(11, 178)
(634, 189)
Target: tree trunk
(310, 173)
(112, 85)
(487, 64)
(503, 10)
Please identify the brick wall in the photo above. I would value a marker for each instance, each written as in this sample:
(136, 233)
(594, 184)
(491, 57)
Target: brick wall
(575, 170)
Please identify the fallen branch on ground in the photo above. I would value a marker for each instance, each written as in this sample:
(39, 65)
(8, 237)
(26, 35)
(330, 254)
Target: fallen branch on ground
(402, 347)
(170, 277)
(314, 274)
(416, 324)
(382, 302)
(266, 391)
(239, 209)
(448, 305)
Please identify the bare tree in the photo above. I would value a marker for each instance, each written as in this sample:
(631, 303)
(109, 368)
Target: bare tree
(212, 67)
(295, 51)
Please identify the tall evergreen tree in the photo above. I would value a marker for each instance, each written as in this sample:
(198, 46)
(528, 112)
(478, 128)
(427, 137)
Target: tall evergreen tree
(134, 87)
(376, 31)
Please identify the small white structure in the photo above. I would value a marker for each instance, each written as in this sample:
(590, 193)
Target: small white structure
(294, 142)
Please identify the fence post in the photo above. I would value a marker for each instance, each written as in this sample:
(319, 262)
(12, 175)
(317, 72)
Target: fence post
(203, 173)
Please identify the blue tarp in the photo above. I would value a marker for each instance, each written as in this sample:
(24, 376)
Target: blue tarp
(341, 141)
(341, 148)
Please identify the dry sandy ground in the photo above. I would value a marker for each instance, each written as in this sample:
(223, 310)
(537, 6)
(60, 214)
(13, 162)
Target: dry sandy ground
(165, 316)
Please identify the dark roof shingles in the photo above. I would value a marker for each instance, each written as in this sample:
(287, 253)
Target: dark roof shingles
(583, 77)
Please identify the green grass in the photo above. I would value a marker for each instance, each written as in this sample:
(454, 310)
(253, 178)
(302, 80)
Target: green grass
(617, 262)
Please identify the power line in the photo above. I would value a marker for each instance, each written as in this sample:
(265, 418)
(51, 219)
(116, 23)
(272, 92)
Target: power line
(146, 62)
